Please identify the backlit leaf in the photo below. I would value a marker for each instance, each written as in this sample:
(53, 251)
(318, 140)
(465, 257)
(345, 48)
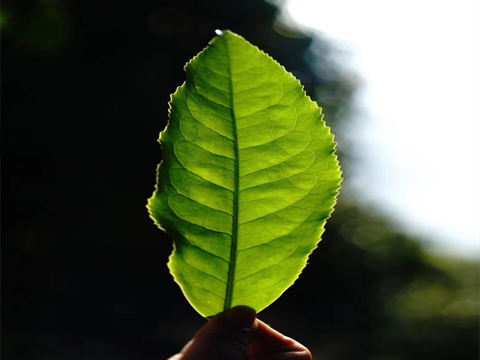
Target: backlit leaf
(247, 181)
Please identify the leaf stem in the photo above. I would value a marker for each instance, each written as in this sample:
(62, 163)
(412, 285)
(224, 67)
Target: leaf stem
(236, 202)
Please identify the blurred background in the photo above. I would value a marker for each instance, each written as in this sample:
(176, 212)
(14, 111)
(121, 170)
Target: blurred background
(85, 90)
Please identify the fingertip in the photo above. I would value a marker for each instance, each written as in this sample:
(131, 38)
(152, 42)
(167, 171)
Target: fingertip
(226, 335)
(305, 355)
(294, 345)
(269, 338)
(176, 357)
(291, 355)
(242, 316)
(185, 348)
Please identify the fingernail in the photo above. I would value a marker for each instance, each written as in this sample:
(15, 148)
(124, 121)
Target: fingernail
(242, 316)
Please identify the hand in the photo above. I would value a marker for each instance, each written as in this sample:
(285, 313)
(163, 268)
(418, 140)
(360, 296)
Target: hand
(237, 334)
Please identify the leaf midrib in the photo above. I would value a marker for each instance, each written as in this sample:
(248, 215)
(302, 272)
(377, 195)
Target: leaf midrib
(236, 194)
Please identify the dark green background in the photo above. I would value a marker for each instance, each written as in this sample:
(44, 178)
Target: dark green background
(85, 91)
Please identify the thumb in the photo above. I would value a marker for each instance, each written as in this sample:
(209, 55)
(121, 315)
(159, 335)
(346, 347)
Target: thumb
(226, 336)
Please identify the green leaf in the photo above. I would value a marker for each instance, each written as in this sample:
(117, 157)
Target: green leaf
(248, 178)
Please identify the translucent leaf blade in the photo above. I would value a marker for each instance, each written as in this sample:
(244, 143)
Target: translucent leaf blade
(248, 178)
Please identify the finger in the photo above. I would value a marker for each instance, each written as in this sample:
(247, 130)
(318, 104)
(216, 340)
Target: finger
(290, 355)
(226, 336)
(176, 357)
(268, 343)
(179, 356)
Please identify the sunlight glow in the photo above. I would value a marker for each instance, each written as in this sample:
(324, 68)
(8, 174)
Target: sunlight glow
(419, 127)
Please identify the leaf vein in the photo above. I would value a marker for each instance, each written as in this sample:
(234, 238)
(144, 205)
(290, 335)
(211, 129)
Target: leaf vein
(210, 182)
(199, 203)
(202, 226)
(202, 271)
(210, 152)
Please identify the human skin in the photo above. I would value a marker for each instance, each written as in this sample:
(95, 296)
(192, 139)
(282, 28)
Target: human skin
(237, 334)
